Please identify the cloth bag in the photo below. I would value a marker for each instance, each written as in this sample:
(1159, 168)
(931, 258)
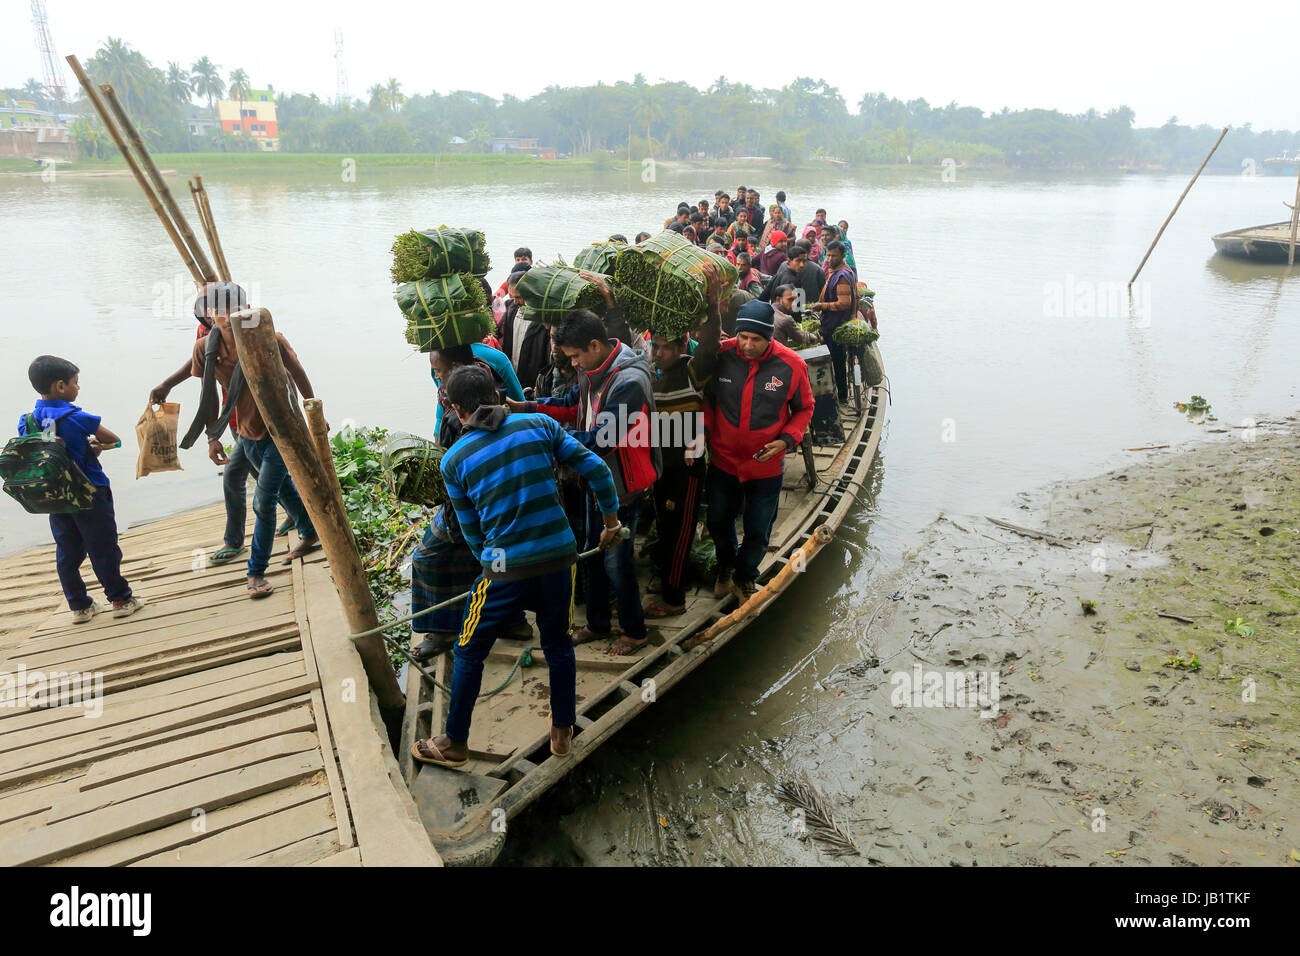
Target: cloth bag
(155, 433)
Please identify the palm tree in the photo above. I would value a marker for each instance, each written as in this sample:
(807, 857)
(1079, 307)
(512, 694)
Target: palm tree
(378, 98)
(480, 138)
(239, 91)
(205, 80)
(35, 90)
(125, 69)
(647, 111)
(395, 95)
(178, 83)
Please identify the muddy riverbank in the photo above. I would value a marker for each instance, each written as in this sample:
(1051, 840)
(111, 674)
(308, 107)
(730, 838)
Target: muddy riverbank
(1117, 719)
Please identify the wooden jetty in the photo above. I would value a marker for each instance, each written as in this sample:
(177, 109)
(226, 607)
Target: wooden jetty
(510, 766)
(1266, 243)
(229, 731)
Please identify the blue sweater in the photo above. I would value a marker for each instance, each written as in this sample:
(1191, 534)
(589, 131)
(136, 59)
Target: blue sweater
(501, 481)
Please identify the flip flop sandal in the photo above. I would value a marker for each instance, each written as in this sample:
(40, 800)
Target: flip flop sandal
(655, 609)
(586, 635)
(301, 552)
(418, 753)
(264, 590)
(225, 555)
(285, 528)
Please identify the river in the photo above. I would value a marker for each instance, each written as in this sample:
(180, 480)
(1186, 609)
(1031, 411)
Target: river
(1013, 357)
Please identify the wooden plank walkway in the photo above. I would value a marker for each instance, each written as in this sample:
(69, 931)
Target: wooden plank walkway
(209, 730)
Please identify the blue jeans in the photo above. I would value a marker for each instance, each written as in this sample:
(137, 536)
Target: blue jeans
(614, 568)
(234, 482)
(271, 476)
(728, 496)
(91, 532)
(494, 604)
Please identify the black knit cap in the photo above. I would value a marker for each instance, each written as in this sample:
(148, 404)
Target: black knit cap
(757, 317)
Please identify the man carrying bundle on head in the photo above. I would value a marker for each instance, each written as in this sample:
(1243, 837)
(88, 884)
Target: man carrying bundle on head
(526, 343)
(679, 380)
(611, 408)
(500, 480)
(215, 360)
(761, 403)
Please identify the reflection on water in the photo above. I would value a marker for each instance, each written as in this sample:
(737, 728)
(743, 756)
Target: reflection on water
(994, 390)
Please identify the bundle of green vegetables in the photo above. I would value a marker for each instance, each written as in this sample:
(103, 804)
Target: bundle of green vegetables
(440, 313)
(551, 292)
(855, 332)
(413, 469)
(599, 257)
(660, 283)
(811, 325)
(431, 253)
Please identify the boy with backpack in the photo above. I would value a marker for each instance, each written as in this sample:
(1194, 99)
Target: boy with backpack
(72, 488)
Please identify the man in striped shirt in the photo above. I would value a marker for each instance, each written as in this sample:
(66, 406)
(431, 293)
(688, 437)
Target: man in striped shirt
(679, 379)
(501, 482)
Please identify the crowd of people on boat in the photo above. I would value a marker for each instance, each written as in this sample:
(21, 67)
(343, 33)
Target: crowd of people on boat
(553, 435)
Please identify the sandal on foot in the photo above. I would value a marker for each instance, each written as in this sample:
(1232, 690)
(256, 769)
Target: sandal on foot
(304, 548)
(263, 590)
(426, 751)
(225, 555)
(627, 646)
(284, 528)
(586, 635)
(656, 609)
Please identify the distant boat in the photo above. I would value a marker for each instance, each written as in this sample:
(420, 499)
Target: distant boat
(1284, 165)
(1267, 243)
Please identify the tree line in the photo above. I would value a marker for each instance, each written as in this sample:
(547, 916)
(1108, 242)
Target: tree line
(805, 119)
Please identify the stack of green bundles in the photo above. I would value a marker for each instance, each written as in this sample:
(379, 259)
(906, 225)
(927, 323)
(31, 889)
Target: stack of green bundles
(551, 292)
(441, 295)
(660, 283)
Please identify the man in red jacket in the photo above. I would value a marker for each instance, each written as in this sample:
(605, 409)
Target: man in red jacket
(761, 403)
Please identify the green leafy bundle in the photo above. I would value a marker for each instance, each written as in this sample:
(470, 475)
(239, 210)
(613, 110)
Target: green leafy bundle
(443, 312)
(599, 257)
(551, 292)
(413, 467)
(811, 325)
(854, 332)
(661, 282)
(432, 253)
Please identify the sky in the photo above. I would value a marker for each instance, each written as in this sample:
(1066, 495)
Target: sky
(1205, 62)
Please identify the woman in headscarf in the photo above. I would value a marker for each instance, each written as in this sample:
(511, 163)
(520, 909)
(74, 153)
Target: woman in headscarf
(832, 233)
(813, 233)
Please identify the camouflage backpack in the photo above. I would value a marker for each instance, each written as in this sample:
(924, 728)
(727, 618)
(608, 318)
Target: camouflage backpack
(39, 474)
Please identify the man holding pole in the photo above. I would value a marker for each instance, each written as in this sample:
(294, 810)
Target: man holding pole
(500, 478)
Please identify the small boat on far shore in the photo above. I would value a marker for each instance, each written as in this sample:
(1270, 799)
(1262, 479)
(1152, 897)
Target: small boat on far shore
(1267, 243)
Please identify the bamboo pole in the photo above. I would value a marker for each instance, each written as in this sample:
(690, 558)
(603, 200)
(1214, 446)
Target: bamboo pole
(159, 184)
(259, 355)
(203, 222)
(97, 102)
(1295, 220)
(218, 250)
(1168, 218)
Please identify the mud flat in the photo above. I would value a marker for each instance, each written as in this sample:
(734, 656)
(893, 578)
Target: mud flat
(1131, 725)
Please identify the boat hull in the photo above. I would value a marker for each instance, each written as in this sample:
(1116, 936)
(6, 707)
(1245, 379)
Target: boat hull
(1267, 243)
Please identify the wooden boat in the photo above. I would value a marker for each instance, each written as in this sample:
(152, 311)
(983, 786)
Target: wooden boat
(466, 811)
(1284, 165)
(1266, 243)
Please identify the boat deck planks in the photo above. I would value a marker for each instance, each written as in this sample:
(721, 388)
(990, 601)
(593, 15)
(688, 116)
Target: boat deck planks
(224, 736)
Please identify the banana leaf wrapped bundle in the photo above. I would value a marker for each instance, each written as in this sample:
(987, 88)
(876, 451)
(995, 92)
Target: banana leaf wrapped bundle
(552, 292)
(660, 283)
(599, 257)
(413, 469)
(443, 312)
(432, 253)
(854, 332)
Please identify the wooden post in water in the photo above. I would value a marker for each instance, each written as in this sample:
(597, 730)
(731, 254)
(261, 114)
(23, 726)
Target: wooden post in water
(159, 184)
(106, 117)
(218, 250)
(259, 356)
(1168, 218)
(1295, 220)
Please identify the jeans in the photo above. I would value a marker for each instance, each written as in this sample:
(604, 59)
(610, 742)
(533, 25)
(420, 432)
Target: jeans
(842, 357)
(727, 497)
(91, 532)
(234, 483)
(271, 477)
(494, 603)
(614, 568)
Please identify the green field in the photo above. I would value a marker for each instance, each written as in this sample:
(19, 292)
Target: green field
(290, 162)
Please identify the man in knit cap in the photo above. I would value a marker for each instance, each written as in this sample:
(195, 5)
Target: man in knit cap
(760, 403)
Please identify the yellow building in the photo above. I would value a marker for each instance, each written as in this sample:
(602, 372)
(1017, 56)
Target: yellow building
(255, 117)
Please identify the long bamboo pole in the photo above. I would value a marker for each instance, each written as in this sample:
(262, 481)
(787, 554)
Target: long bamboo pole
(259, 356)
(204, 212)
(159, 184)
(203, 221)
(218, 250)
(1295, 220)
(1168, 218)
(97, 102)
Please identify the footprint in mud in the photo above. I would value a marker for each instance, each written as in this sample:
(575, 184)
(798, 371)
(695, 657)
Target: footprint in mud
(1065, 765)
(1040, 715)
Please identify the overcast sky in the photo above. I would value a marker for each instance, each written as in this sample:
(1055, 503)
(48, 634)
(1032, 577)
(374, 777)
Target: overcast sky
(1206, 62)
